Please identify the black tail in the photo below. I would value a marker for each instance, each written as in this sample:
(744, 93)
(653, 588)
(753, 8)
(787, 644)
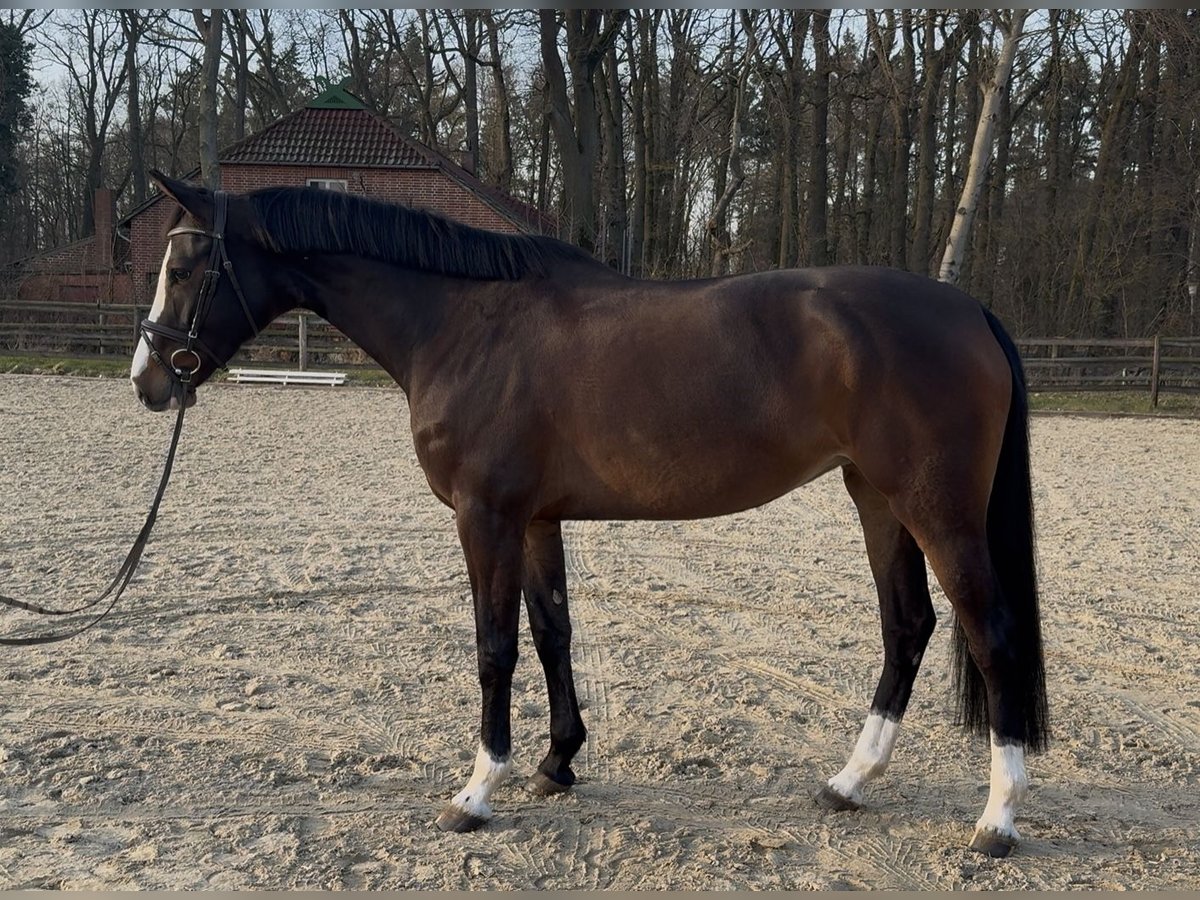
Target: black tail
(1011, 543)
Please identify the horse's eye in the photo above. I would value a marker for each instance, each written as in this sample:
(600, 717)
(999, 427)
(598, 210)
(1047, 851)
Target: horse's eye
(178, 275)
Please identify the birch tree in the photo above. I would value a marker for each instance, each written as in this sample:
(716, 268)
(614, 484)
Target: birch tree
(981, 153)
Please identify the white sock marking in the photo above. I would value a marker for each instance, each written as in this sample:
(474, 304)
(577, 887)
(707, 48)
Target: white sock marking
(869, 759)
(489, 774)
(141, 356)
(1008, 788)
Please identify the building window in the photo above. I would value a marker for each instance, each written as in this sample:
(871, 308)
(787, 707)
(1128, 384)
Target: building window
(328, 184)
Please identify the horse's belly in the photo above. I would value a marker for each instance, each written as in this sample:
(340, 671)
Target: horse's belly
(727, 477)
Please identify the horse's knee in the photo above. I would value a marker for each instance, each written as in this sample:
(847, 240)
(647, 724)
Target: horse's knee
(497, 660)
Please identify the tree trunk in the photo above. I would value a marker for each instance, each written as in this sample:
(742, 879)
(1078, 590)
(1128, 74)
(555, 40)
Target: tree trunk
(241, 71)
(818, 169)
(674, 156)
(614, 165)
(1114, 141)
(577, 188)
(935, 61)
(843, 228)
(210, 31)
(997, 188)
(1053, 115)
(131, 24)
(656, 142)
(576, 125)
(981, 153)
(902, 82)
(426, 87)
(471, 84)
(502, 168)
(543, 155)
(732, 173)
(866, 219)
(637, 93)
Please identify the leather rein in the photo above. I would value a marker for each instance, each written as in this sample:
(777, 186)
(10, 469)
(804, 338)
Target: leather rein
(181, 372)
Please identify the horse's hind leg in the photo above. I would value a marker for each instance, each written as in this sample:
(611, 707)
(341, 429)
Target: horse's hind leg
(907, 618)
(963, 565)
(545, 583)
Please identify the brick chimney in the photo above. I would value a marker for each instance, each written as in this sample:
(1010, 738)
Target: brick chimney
(466, 159)
(105, 208)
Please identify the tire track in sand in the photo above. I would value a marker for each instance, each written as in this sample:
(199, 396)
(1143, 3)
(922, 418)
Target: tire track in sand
(587, 587)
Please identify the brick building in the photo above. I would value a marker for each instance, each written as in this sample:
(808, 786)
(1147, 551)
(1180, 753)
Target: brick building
(334, 142)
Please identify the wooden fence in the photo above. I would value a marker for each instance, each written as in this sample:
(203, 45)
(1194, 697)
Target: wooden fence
(1154, 365)
(300, 340)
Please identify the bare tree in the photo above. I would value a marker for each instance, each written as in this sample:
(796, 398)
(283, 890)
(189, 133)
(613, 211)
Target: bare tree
(733, 174)
(936, 58)
(818, 169)
(210, 31)
(502, 165)
(241, 70)
(134, 24)
(88, 45)
(576, 124)
(981, 154)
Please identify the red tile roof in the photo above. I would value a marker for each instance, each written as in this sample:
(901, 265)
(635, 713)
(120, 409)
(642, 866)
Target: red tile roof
(322, 135)
(328, 137)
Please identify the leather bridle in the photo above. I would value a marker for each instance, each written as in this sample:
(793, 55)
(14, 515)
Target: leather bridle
(181, 374)
(218, 262)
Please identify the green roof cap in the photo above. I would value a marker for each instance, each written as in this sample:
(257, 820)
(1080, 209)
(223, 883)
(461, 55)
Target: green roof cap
(336, 97)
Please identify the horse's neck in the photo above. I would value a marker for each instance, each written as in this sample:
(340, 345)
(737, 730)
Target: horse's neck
(386, 310)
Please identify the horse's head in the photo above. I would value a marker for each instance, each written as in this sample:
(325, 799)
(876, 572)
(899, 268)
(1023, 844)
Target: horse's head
(210, 299)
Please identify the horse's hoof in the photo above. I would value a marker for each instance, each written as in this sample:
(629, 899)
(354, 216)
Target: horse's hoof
(543, 785)
(454, 818)
(994, 843)
(828, 798)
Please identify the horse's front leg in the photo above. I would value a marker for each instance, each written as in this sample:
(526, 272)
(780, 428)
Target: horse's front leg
(492, 543)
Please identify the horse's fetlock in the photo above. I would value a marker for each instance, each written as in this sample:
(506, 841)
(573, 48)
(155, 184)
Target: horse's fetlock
(567, 741)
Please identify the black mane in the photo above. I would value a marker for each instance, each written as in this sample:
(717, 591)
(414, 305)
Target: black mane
(310, 220)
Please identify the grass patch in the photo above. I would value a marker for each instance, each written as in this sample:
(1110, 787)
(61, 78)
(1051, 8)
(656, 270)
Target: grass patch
(1128, 402)
(20, 364)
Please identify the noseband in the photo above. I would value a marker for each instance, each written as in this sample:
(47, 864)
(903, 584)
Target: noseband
(218, 260)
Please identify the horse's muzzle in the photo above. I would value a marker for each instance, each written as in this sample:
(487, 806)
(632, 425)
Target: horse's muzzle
(171, 401)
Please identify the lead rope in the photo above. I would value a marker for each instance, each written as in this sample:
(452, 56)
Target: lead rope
(124, 574)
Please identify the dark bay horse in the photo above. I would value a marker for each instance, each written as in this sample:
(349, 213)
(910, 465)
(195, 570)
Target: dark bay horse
(543, 387)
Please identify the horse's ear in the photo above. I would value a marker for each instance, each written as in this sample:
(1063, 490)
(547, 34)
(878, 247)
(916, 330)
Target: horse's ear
(193, 198)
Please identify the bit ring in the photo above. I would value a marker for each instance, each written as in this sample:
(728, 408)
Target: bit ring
(179, 370)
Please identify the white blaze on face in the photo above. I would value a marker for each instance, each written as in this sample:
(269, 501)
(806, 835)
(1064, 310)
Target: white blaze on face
(141, 356)
(489, 774)
(869, 759)
(1008, 788)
